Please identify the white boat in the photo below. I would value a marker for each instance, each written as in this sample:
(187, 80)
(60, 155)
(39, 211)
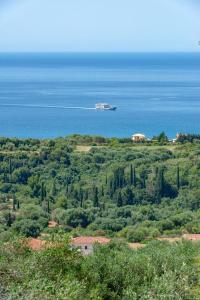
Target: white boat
(105, 106)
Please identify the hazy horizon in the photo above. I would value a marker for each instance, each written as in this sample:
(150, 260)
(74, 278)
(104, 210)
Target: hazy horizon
(92, 26)
(100, 52)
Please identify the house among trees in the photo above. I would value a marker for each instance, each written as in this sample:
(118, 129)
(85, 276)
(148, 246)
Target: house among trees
(86, 243)
(138, 137)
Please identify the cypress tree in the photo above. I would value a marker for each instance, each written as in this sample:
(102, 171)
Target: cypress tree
(42, 192)
(9, 220)
(129, 196)
(18, 204)
(85, 195)
(159, 184)
(80, 196)
(178, 177)
(119, 178)
(95, 197)
(10, 169)
(14, 203)
(48, 206)
(143, 178)
(131, 175)
(10, 165)
(53, 191)
(111, 187)
(102, 191)
(134, 177)
(119, 199)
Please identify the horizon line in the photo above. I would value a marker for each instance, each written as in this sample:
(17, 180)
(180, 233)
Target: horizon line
(97, 52)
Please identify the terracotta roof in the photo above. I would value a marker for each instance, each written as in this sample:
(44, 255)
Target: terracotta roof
(90, 240)
(192, 237)
(36, 244)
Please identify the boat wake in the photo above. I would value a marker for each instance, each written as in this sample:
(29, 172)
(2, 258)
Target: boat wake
(47, 106)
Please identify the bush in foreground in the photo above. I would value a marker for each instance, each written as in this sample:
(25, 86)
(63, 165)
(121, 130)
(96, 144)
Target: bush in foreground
(114, 272)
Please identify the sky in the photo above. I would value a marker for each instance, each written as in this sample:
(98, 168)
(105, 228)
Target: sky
(99, 25)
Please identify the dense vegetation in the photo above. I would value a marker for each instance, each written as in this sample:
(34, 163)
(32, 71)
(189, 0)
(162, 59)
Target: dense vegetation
(113, 272)
(100, 186)
(97, 186)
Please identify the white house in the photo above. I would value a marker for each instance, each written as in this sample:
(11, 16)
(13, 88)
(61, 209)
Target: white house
(86, 243)
(138, 137)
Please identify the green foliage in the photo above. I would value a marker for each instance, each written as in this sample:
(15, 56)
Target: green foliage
(158, 271)
(27, 227)
(161, 138)
(53, 179)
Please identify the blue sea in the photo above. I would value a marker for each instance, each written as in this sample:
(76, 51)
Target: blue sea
(50, 95)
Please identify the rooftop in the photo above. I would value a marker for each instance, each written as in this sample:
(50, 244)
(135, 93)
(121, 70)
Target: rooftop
(192, 237)
(36, 244)
(139, 134)
(90, 240)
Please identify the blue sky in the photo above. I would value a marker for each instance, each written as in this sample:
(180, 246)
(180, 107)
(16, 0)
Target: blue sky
(99, 25)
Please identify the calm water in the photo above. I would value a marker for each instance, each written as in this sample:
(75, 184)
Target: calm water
(153, 92)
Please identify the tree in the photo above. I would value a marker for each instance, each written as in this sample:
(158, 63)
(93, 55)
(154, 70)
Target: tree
(79, 217)
(10, 166)
(159, 183)
(48, 206)
(21, 175)
(8, 218)
(132, 176)
(119, 199)
(127, 196)
(34, 183)
(118, 177)
(155, 187)
(161, 138)
(27, 227)
(53, 190)
(178, 177)
(80, 196)
(43, 192)
(14, 203)
(18, 205)
(95, 197)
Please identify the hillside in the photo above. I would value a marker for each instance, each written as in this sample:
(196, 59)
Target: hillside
(94, 185)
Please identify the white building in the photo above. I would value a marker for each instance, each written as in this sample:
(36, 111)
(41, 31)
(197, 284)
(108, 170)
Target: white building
(138, 137)
(86, 243)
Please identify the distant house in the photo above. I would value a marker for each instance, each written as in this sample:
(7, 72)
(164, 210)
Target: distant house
(192, 237)
(86, 243)
(138, 137)
(36, 244)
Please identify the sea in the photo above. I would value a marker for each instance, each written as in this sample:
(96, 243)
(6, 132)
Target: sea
(47, 95)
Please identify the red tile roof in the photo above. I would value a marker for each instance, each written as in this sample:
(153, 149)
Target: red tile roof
(90, 240)
(36, 244)
(192, 237)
